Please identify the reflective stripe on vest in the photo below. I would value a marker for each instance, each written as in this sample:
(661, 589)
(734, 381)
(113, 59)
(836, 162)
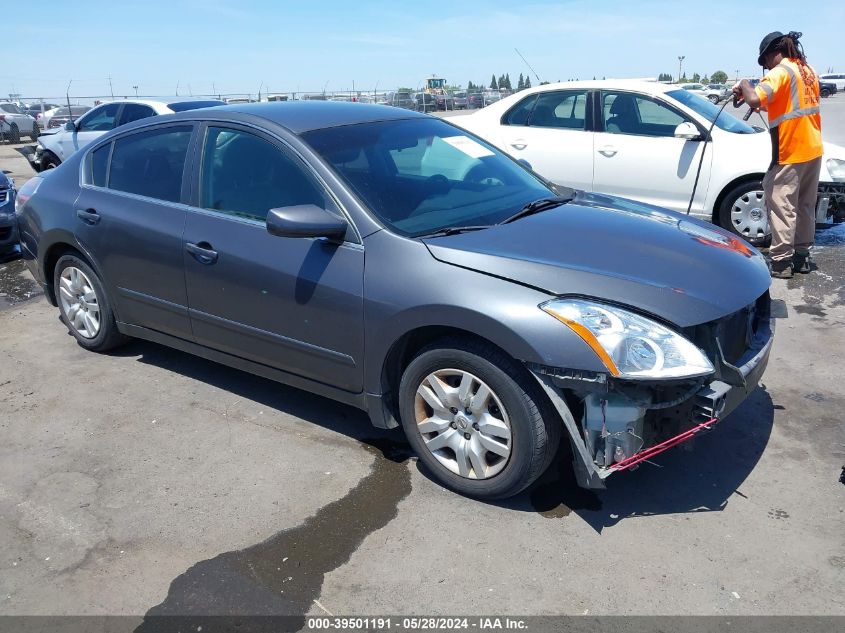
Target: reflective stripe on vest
(797, 110)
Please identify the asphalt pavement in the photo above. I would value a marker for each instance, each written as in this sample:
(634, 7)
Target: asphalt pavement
(148, 481)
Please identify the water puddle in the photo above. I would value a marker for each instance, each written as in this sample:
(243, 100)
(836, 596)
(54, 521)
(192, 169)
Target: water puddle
(283, 575)
(16, 284)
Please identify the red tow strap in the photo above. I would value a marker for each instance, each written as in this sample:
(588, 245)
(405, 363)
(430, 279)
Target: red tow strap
(643, 455)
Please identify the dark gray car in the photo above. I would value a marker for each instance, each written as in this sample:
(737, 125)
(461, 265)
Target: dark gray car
(392, 261)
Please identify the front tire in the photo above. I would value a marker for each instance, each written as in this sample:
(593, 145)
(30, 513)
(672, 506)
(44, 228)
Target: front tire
(476, 419)
(743, 212)
(35, 132)
(84, 306)
(713, 99)
(14, 134)
(49, 161)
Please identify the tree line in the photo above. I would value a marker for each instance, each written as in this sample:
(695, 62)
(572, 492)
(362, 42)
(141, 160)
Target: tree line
(502, 82)
(719, 77)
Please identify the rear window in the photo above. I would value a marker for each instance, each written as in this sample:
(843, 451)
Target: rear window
(183, 106)
(151, 163)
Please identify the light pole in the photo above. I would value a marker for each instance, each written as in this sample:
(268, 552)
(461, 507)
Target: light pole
(680, 65)
(136, 91)
(737, 75)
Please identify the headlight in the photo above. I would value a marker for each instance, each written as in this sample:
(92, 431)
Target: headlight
(630, 346)
(836, 168)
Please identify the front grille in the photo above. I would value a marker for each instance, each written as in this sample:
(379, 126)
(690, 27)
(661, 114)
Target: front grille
(4, 195)
(733, 332)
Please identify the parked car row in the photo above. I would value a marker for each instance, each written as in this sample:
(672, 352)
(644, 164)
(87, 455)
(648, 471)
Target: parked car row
(14, 123)
(56, 144)
(497, 312)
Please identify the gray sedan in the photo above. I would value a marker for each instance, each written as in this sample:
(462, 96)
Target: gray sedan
(394, 262)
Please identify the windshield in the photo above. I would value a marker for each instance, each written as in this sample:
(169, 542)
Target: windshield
(709, 111)
(422, 175)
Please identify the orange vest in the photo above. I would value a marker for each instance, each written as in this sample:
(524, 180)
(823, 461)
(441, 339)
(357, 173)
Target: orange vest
(793, 107)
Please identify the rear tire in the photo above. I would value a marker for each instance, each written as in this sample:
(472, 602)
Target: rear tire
(14, 134)
(713, 99)
(35, 132)
(84, 306)
(505, 440)
(743, 212)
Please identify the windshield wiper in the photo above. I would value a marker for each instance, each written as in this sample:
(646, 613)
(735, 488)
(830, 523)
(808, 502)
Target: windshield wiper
(537, 206)
(454, 230)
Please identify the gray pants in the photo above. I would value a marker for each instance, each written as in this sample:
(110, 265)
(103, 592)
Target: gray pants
(791, 201)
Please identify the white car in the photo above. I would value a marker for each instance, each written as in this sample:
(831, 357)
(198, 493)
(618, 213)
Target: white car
(699, 89)
(645, 141)
(14, 123)
(57, 144)
(837, 78)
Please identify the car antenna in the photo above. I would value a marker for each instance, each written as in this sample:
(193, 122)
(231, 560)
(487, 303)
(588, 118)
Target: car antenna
(529, 65)
(67, 98)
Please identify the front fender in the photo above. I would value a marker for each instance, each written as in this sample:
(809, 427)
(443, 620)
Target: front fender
(423, 292)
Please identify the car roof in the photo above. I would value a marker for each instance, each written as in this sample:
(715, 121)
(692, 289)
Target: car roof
(303, 116)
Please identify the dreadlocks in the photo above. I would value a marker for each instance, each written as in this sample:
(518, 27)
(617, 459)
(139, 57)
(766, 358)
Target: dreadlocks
(791, 48)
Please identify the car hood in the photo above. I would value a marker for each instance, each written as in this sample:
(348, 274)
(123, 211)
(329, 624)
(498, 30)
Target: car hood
(681, 270)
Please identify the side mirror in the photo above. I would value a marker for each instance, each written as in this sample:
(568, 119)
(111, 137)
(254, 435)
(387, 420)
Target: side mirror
(70, 126)
(688, 132)
(305, 220)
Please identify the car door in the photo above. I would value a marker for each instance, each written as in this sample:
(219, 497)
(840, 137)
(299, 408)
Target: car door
(130, 218)
(549, 130)
(90, 127)
(294, 304)
(637, 155)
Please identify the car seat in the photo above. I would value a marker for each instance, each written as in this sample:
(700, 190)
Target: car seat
(623, 119)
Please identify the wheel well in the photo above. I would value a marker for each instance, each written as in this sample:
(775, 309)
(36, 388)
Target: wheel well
(50, 260)
(403, 351)
(721, 197)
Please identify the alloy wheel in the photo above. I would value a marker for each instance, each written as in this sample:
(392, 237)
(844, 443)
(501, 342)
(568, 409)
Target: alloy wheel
(463, 423)
(79, 302)
(748, 216)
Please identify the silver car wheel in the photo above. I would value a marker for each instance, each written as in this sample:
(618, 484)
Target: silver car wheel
(79, 302)
(749, 217)
(463, 423)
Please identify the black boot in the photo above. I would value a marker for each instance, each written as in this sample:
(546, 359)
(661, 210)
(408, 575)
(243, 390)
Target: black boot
(801, 262)
(782, 269)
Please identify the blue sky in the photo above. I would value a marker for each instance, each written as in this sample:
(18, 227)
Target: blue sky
(232, 46)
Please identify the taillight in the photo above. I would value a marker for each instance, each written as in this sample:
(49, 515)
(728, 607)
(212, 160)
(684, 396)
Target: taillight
(26, 192)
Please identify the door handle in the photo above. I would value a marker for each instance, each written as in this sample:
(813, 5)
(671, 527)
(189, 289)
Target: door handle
(202, 252)
(608, 150)
(89, 216)
(519, 144)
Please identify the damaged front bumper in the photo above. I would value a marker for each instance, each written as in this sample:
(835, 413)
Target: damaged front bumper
(830, 203)
(615, 425)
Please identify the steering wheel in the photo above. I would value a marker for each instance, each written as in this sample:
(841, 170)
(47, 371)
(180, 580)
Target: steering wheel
(483, 174)
(437, 184)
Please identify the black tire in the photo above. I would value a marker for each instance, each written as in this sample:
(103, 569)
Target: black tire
(108, 337)
(14, 134)
(35, 132)
(49, 161)
(535, 426)
(713, 99)
(825, 93)
(726, 206)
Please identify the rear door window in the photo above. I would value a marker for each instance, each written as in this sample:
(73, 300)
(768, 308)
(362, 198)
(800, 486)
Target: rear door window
(151, 163)
(564, 109)
(134, 112)
(518, 115)
(100, 165)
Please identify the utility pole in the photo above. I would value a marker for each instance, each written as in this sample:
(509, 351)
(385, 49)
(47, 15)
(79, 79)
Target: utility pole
(680, 65)
(737, 75)
(136, 91)
(111, 90)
